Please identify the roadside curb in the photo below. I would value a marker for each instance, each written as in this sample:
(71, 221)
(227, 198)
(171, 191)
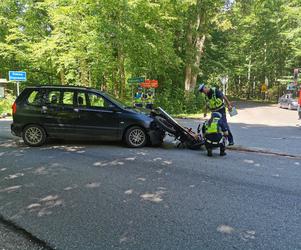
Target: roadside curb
(188, 118)
(26, 234)
(263, 151)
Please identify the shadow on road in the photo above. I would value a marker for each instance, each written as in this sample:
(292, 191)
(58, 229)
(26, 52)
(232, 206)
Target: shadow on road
(251, 104)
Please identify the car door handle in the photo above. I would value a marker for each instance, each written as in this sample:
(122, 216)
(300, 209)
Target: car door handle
(44, 109)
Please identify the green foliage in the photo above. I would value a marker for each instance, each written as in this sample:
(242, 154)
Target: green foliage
(102, 43)
(6, 103)
(176, 101)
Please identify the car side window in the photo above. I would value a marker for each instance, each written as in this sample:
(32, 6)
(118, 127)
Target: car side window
(97, 101)
(35, 98)
(81, 99)
(68, 97)
(53, 97)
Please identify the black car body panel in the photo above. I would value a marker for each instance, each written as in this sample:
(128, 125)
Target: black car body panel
(79, 113)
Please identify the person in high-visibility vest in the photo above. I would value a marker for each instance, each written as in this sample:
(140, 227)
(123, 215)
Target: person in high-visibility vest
(149, 98)
(138, 98)
(215, 133)
(215, 102)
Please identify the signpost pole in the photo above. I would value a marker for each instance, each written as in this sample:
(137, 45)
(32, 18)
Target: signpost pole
(18, 88)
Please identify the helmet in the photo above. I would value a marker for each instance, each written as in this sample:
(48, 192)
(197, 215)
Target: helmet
(216, 115)
(201, 87)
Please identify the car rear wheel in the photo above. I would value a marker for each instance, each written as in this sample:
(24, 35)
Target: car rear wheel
(135, 137)
(34, 135)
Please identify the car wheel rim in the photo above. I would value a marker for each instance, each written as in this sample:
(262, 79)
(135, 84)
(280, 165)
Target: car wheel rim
(137, 137)
(33, 135)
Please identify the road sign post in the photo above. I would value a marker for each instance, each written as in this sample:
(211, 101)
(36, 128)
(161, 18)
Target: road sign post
(17, 76)
(3, 83)
(18, 88)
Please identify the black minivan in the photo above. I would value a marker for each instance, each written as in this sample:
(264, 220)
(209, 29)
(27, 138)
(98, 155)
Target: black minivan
(80, 113)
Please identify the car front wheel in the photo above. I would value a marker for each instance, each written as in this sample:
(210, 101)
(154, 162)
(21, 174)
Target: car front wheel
(34, 135)
(135, 137)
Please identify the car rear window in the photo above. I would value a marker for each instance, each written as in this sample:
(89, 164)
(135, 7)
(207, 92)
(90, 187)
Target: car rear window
(35, 98)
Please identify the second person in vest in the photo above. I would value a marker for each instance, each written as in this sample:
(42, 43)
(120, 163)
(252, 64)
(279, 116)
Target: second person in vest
(215, 102)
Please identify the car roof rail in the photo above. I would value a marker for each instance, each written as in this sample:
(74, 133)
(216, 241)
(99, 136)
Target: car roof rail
(61, 86)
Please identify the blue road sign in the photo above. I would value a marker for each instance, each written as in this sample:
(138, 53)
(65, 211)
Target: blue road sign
(17, 76)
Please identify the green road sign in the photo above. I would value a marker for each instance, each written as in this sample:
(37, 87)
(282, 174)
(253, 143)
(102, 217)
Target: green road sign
(136, 80)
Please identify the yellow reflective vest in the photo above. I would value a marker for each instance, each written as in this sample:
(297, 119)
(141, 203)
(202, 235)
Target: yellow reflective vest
(214, 103)
(213, 127)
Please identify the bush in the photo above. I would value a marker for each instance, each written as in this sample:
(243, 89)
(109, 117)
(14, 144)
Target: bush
(176, 101)
(6, 103)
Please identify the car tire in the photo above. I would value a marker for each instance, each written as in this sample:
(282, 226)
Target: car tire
(165, 125)
(34, 135)
(135, 137)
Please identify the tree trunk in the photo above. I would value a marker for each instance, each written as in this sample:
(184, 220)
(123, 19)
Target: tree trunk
(121, 72)
(115, 84)
(84, 76)
(195, 49)
(62, 76)
(188, 77)
(199, 51)
(188, 69)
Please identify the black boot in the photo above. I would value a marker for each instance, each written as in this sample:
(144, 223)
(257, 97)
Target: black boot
(222, 151)
(209, 152)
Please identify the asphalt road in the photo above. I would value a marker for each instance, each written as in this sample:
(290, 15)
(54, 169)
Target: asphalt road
(14, 239)
(105, 196)
(265, 127)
